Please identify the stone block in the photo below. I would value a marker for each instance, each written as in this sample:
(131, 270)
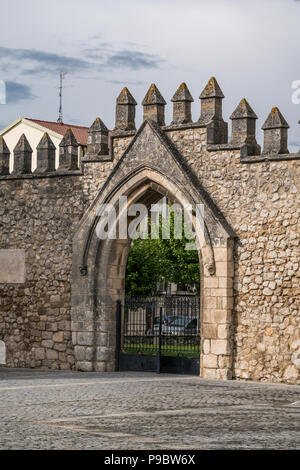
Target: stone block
(209, 331)
(209, 373)
(224, 269)
(51, 354)
(84, 366)
(12, 266)
(210, 302)
(58, 337)
(39, 353)
(216, 316)
(222, 254)
(220, 346)
(105, 354)
(85, 338)
(223, 331)
(211, 282)
(224, 362)
(206, 346)
(210, 361)
(224, 374)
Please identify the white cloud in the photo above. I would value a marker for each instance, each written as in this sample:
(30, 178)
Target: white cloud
(251, 46)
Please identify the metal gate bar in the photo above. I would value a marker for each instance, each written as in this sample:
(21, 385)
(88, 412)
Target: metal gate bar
(159, 334)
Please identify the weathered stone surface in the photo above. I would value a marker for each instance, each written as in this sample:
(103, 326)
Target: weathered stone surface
(125, 111)
(4, 157)
(45, 155)
(97, 140)
(243, 128)
(12, 266)
(275, 133)
(22, 157)
(182, 100)
(154, 105)
(211, 113)
(250, 316)
(68, 152)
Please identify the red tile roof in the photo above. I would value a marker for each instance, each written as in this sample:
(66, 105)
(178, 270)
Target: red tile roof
(80, 132)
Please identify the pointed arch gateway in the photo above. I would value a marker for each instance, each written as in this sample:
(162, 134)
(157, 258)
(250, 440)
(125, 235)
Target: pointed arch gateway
(151, 167)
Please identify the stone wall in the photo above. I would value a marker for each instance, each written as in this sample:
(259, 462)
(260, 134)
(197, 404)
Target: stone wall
(39, 216)
(261, 202)
(257, 194)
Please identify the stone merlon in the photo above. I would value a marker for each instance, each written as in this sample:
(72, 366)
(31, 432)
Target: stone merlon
(154, 106)
(275, 133)
(45, 155)
(211, 113)
(97, 139)
(22, 157)
(243, 129)
(182, 100)
(68, 152)
(4, 157)
(125, 111)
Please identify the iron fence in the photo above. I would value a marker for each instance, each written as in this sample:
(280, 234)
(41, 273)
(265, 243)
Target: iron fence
(164, 326)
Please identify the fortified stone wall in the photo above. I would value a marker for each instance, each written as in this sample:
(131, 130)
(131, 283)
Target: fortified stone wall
(261, 202)
(39, 213)
(39, 216)
(257, 193)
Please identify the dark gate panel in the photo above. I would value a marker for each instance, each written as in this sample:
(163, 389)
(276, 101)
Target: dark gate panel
(160, 334)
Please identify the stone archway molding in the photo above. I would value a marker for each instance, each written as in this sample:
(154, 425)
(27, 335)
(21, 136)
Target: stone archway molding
(99, 266)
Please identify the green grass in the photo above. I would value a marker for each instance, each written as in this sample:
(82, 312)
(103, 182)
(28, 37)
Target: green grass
(167, 350)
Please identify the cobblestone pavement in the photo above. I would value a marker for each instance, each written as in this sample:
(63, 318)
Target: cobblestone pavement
(124, 410)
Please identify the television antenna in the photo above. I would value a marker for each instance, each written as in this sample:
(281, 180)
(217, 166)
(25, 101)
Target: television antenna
(60, 113)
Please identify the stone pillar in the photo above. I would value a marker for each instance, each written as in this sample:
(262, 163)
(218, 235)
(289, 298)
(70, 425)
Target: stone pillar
(97, 139)
(4, 157)
(243, 128)
(154, 106)
(45, 155)
(22, 157)
(68, 152)
(182, 106)
(216, 326)
(125, 111)
(211, 113)
(275, 133)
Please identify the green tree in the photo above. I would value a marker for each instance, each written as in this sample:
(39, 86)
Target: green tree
(153, 260)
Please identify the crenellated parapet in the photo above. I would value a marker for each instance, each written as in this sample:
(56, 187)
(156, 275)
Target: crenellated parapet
(211, 113)
(154, 106)
(125, 111)
(275, 133)
(4, 158)
(54, 259)
(102, 142)
(22, 157)
(45, 155)
(68, 152)
(97, 140)
(243, 128)
(182, 101)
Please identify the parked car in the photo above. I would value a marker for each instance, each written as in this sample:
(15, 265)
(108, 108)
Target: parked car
(166, 320)
(181, 325)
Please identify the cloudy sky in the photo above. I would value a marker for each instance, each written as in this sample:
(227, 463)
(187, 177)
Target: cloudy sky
(250, 46)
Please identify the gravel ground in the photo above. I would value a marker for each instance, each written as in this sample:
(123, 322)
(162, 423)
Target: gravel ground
(43, 409)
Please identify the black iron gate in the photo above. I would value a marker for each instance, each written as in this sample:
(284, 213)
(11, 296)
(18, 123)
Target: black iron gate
(159, 334)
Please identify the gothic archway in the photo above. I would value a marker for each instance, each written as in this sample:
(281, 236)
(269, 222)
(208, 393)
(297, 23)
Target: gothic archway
(99, 265)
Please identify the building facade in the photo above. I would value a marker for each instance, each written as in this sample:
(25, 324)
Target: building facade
(34, 130)
(60, 282)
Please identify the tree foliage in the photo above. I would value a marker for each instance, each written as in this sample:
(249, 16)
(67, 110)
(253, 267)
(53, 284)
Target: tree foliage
(153, 260)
